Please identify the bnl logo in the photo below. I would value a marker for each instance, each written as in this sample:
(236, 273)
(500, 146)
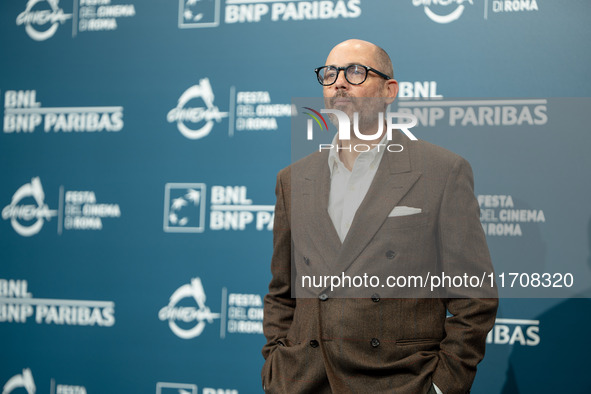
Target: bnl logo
(175, 388)
(198, 13)
(184, 207)
(344, 124)
(184, 388)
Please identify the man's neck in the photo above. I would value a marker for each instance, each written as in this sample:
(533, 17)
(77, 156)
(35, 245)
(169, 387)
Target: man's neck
(347, 152)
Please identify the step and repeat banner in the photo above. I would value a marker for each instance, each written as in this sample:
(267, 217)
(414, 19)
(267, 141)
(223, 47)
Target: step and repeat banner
(139, 149)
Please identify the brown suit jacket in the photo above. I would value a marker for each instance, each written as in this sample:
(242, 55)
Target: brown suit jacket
(374, 343)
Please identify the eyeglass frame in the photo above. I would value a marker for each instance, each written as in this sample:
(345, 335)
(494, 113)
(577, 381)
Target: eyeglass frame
(367, 70)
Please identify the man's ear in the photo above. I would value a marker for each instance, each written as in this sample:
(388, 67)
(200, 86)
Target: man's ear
(391, 90)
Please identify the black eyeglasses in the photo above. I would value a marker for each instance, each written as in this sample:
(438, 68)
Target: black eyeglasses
(355, 74)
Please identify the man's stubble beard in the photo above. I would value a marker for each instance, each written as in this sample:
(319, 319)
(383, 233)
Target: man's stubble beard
(368, 109)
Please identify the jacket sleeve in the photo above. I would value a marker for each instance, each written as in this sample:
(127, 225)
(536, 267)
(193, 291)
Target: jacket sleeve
(463, 250)
(278, 304)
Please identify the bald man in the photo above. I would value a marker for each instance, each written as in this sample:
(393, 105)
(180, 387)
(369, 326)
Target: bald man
(387, 211)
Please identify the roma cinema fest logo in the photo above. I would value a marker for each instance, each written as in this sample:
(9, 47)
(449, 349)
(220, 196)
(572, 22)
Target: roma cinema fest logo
(27, 210)
(446, 18)
(180, 318)
(196, 122)
(35, 18)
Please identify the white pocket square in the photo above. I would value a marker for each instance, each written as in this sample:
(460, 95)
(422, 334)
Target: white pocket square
(404, 211)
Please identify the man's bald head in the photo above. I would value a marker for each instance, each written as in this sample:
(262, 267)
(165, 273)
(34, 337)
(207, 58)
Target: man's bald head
(380, 59)
(384, 63)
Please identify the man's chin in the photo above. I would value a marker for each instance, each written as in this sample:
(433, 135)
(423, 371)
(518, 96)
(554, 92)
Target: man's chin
(345, 107)
(341, 101)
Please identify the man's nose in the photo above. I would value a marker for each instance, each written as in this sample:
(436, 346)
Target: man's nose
(341, 81)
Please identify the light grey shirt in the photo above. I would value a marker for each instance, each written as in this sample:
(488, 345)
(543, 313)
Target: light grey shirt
(348, 188)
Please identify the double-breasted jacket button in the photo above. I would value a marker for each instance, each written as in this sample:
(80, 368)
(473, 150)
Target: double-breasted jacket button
(375, 342)
(390, 254)
(314, 343)
(323, 297)
(375, 297)
(306, 260)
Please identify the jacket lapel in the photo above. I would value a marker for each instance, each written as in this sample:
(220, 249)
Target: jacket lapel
(312, 212)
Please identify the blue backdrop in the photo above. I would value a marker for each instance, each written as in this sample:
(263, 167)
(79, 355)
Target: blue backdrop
(139, 147)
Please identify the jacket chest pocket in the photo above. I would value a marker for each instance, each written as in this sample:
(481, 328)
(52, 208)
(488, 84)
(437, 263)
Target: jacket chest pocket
(407, 221)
